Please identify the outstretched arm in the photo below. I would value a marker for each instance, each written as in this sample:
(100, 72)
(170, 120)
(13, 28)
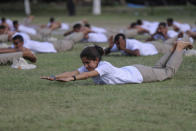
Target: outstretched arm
(62, 75)
(82, 76)
(27, 54)
(67, 74)
(71, 76)
(8, 50)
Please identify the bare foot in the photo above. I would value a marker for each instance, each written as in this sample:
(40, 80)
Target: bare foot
(183, 45)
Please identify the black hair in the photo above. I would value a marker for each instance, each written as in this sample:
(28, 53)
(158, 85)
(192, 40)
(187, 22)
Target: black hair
(15, 22)
(18, 37)
(3, 19)
(162, 24)
(139, 22)
(92, 52)
(51, 19)
(133, 24)
(87, 25)
(170, 20)
(117, 37)
(77, 26)
(2, 27)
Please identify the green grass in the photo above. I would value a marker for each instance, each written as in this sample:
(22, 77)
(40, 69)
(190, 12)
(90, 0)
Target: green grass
(29, 103)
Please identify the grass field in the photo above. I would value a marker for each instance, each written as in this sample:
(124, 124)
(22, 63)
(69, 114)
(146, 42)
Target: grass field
(29, 103)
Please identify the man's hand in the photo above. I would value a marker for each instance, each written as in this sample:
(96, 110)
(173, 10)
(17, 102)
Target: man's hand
(111, 42)
(27, 54)
(122, 44)
(137, 52)
(47, 78)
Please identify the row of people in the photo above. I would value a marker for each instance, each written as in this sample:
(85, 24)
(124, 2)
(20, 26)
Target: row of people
(159, 30)
(120, 43)
(81, 32)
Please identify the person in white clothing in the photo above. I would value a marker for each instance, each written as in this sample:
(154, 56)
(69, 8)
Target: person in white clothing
(162, 33)
(133, 47)
(97, 37)
(22, 28)
(95, 28)
(18, 43)
(178, 27)
(130, 47)
(35, 33)
(53, 25)
(40, 47)
(147, 25)
(103, 72)
(36, 46)
(89, 35)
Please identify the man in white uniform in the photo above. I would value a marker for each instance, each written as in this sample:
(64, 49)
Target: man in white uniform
(178, 27)
(137, 48)
(162, 33)
(82, 33)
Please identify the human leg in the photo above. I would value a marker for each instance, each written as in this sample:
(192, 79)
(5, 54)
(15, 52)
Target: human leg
(161, 47)
(4, 38)
(76, 36)
(7, 58)
(164, 59)
(173, 63)
(63, 45)
(130, 33)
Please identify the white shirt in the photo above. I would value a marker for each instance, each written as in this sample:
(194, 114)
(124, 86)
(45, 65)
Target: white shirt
(36, 46)
(109, 74)
(97, 37)
(150, 26)
(26, 29)
(145, 49)
(40, 47)
(172, 33)
(64, 26)
(182, 26)
(98, 29)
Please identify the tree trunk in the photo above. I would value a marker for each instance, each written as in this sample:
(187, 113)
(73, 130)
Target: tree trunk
(96, 7)
(27, 7)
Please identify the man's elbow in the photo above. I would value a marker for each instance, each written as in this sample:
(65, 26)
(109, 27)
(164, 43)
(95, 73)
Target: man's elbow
(34, 60)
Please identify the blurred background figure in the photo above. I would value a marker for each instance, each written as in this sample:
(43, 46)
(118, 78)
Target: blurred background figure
(71, 7)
